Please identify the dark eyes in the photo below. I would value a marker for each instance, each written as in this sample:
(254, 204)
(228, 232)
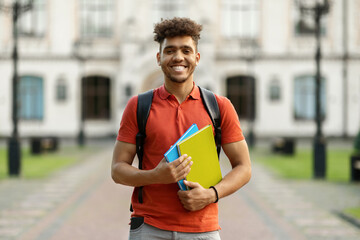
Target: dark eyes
(171, 51)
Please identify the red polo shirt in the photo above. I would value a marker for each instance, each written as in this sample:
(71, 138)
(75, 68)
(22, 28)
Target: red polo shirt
(167, 121)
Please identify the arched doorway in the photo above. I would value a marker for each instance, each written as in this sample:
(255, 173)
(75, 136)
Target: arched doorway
(153, 80)
(241, 92)
(96, 98)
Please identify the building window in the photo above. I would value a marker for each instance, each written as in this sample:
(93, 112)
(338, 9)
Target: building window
(97, 18)
(241, 92)
(31, 98)
(61, 90)
(274, 90)
(32, 23)
(304, 98)
(96, 97)
(166, 9)
(128, 91)
(240, 19)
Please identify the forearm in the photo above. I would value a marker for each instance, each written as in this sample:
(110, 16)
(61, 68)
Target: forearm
(234, 180)
(126, 174)
(198, 197)
(238, 155)
(123, 172)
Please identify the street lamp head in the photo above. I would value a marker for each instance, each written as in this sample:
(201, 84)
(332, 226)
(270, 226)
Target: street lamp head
(11, 2)
(11, 5)
(321, 6)
(311, 3)
(326, 6)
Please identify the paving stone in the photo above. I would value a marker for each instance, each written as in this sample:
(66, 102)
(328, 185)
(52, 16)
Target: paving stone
(311, 217)
(306, 222)
(22, 213)
(9, 232)
(267, 208)
(331, 232)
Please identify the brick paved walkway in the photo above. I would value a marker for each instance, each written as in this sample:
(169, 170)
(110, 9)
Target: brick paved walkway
(84, 203)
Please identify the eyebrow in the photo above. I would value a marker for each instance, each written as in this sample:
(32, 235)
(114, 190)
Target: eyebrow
(181, 47)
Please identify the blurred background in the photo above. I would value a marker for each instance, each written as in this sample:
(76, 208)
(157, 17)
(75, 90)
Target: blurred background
(80, 61)
(291, 68)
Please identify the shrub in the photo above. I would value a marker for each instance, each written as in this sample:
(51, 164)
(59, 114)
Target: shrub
(357, 144)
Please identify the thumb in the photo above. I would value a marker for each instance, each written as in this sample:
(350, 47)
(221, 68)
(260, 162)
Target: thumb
(192, 184)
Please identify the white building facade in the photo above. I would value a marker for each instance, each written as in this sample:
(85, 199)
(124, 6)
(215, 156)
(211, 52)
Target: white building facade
(80, 61)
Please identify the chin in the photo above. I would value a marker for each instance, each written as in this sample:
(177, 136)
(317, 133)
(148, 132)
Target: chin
(178, 80)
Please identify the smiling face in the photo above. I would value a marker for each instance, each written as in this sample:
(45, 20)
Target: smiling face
(178, 58)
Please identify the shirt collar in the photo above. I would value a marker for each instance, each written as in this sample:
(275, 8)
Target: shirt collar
(163, 93)
(195, 93)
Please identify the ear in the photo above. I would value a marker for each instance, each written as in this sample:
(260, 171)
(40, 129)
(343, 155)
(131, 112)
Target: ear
(158, 58)
(197, 58)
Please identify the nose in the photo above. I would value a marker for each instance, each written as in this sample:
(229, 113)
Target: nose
(178, 57)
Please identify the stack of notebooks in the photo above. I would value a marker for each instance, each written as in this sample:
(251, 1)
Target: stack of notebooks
(200, 146)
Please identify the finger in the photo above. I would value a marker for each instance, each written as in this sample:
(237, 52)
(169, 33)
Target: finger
(191, 184)
(184, 197)
(181, 194)
(183, 157)
(178, 161)
(182, 163)
(186, 170)
(185, 163)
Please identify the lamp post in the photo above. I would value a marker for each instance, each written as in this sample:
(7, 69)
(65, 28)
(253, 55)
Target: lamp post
(14, 153)
(81, 56)
(317, 9)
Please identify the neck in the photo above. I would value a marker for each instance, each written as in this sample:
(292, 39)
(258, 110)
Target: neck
(179, 90)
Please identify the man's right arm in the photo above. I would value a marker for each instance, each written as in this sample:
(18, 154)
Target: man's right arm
(124, 173)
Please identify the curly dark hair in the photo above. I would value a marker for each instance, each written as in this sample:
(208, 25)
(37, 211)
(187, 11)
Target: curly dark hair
(177, 27)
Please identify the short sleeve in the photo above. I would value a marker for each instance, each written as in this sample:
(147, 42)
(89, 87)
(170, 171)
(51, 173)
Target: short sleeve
(128, 125)
(230, 125)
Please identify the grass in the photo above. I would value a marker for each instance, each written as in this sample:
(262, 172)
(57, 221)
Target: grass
(354, 212)
(300, 165)
(43, 165)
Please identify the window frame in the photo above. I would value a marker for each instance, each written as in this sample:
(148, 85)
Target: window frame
(241, 90)
(240, 10)
(97, 93)
(32, 23)
(166, 9)
(61, 90)
(308, 112)
(31, 98)
(96, 19)
(274, 90)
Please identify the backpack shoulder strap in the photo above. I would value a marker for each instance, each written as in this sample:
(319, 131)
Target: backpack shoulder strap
(212, 108)
(142, 114)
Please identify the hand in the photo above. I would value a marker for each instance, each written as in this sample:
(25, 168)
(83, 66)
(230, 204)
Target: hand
(197, 198)
(172, 172)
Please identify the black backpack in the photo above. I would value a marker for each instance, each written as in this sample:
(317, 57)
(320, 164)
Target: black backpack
(143, 110)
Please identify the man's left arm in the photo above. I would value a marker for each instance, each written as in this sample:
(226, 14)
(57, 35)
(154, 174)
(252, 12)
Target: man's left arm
(199, 197)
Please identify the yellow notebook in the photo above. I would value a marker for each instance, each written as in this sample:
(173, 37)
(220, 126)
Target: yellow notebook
(202, 149)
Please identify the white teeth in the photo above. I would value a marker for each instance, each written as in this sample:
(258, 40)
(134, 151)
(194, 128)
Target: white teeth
(178, 68)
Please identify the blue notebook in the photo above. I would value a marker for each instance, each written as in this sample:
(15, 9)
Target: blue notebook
(172, 154)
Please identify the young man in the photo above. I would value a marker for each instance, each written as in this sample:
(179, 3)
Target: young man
(167, 212)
